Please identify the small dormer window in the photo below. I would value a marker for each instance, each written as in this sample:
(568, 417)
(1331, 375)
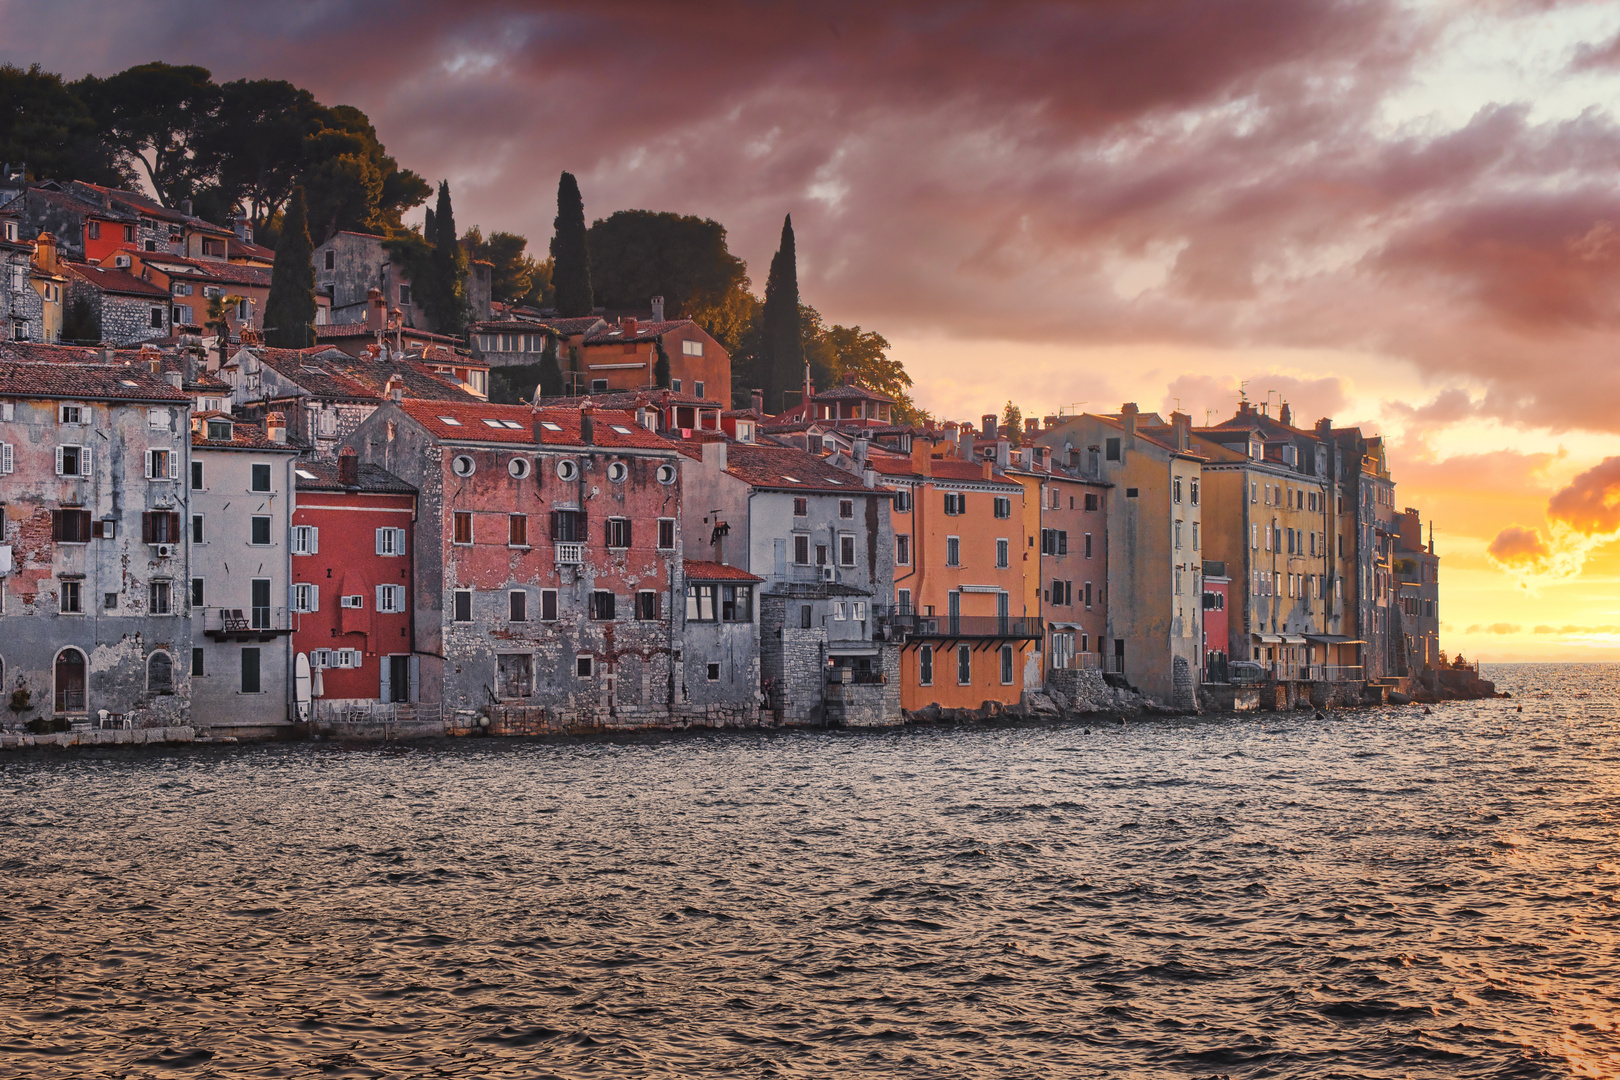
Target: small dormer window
(11, 231)
(219, 430)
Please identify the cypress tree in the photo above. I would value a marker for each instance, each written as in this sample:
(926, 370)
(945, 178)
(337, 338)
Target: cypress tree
(782, 343)
(447, 291)
(551, 380)
(571, 273)
(289, 311)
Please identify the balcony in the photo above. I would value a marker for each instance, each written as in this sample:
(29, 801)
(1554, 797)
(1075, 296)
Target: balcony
(570, 554)
(969, 626)
(246, 624)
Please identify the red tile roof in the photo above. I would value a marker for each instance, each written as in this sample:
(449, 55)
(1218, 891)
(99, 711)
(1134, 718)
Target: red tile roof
(613, 333)
(319, 475)
(494, 423)
(850, 393)
(699, 570)
(787, 468)
(212, 269)
(118, 282)
(86, 382)
(245, 435)
(247, 249)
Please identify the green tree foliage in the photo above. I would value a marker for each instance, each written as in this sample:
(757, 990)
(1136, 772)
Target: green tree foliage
(444, 294)
(781, 357)
(639, 254)
(661, 374)
(1012, 423)
(254, 149)
(80, 323)
(289, 312)
(354, 184)
(155, 114)
(839, 352)
(46, 129)
(517, 385)
(570, 253)
(516, 278)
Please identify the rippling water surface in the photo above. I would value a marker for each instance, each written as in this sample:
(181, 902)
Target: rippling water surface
(1374, 894)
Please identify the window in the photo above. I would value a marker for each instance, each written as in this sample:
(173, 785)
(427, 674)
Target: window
(902, 502)
(390, 598)
(714, 672)
(463, 606)
(840, 612)
(306, 539)
(675, 385)
(567, 526)
(72, 597)
(331, 260)
(404, 296)
(163, 527)
(517, 530)
(902, 601)
(261, 531)
(925, 665)
(1088, 594)
(598, 385)
(514, 675)
(1091, 503)
(261, 478)
(1195, 496)
(902, 550)
(1088, 545)
(955, 503)
(700, 602)
(646, 605)
(584, 666)
(846, 509)
(821, 554)
(1130, 493)
(1003, 507)
(73, 460)
(964, 665)
(196, 528)
(666, 534)
(806, 616)
(692, 348)
(196, 662)
(846, 550)
(1177, 530)
(1111, 450)
(250, 671)
(390, 541)
(92, 230)
(462, 465)
(157, 598)
(7, 458)
(736, 603)
(196, 476)
(953, 551)
(801, 549)
(1175, 490)
(666, 474)
(602, 605)
(71, 526)
(260, 592)
(517, 606)
(305, 597)
(1006, 665)
(1001, 554)
(197, 592)
(618, 532)
(72, 414)
(461, 525)
(1062, 592)
(617, 471)
(697, 389)
(548, 605)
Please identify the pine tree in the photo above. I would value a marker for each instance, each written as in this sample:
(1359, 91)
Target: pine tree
(571, 275)
(289, 311)
(781, 358)
(446, 294)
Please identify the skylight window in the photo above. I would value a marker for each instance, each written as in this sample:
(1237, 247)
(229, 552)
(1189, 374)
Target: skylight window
(127, 382)
(493, 423)
(513, 424)
(620, 428)
(450, 420)
(307, 475)
(792, 479)
(549, 426)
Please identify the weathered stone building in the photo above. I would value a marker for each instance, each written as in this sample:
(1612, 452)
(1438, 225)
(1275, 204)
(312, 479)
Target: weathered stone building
(125, 309)
(93, 559)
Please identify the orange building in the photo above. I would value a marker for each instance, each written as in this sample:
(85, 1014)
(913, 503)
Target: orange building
(625, 355)
(960, 595)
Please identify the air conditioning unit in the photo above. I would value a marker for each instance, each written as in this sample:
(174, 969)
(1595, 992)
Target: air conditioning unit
(164, 551)
(828, 574)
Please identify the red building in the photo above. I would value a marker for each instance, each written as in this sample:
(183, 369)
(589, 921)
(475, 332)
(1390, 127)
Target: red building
(352, 581)
(1216, 587)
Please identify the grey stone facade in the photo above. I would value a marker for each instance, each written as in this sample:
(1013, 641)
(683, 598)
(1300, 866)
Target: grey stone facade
(124, 320)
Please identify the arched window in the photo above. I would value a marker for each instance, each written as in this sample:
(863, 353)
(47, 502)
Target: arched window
(160, 673)
(69, 681)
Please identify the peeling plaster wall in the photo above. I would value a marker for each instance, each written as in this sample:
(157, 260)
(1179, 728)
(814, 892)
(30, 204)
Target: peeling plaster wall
(118, 640)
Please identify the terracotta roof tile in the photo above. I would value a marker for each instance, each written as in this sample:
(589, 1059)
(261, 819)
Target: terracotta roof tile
(788, 468)
(613, 333)
(319, 475)
(87, 382)
(482, 422)
(699, 570)
(118, 282)
(245, 435)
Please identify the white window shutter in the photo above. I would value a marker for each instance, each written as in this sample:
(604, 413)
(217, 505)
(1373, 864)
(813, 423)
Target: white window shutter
(174, 465)
(5, 458)
(314, 540)
(314, 598)
(381, 605)
(399, 541)
(84, 461)
(59, 450)
(380, 540)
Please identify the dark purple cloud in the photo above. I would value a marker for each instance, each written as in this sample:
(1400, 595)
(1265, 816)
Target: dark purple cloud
(1177, 171)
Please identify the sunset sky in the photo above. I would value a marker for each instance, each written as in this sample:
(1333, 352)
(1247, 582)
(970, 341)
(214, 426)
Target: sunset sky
(1400, 215)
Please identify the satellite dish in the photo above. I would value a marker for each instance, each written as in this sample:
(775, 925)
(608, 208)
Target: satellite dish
(301, 685)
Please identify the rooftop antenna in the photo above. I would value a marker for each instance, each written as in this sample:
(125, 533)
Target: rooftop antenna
(1209, 414)
(1063, 410)
(1243, 390)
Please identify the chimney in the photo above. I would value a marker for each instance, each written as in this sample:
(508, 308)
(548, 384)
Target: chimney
(376, 310)
(587, 423)
(756, 398)
(714, 455)
(174, 379)
(869, 477)
(1050, 422)
(1181, 423)
(1043, 458)
(394, 389)
(1032, 427)
(628, 325)
(1286, 416)
(1127, 417)
(185, 207)
(987, 426)
(275, 427)
(1245, 408)
(964, 442)
(348, 467)
(658, 309)
(106, 354)
(922, 457)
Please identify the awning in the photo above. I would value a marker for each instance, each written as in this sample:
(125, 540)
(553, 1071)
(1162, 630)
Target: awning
(1333, 639)
(1268, 639)
(1292, 639)
(851, 648)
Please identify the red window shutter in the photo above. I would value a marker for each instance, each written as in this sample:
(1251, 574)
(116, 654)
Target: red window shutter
(148, 526)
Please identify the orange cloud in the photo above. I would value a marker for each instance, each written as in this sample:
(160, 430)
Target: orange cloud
(1516, 546)
(1494, 628)
(1590, 504)
(1583, 515)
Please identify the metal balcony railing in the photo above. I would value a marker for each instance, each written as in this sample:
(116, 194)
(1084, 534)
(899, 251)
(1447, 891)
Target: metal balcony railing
(224, 624)
(970, 626)
(570, 554)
